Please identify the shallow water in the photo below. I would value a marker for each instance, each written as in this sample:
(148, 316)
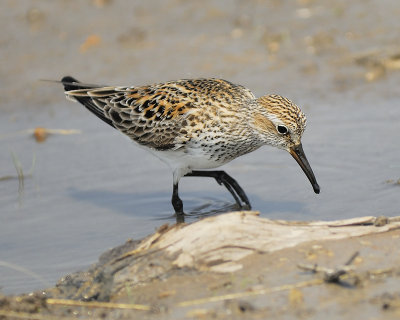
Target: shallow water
(94, 190)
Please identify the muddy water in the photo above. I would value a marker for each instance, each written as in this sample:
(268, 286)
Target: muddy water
(93, 190)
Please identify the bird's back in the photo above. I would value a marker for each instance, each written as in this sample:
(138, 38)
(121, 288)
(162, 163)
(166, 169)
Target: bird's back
(167, 115)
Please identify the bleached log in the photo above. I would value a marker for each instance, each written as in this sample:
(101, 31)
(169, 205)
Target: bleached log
(218, 243)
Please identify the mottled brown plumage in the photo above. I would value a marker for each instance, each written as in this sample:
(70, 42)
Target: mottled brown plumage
(164, 116)
(198, 123)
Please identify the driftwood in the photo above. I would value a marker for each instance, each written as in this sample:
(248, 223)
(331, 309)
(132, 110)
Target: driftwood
(218, 243)
(214, 244)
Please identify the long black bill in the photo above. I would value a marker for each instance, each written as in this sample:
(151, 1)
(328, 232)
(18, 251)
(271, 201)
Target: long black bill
(298, 154)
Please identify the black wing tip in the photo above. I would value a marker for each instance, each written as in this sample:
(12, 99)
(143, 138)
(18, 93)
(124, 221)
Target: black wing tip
(69, 83)
(69, 79)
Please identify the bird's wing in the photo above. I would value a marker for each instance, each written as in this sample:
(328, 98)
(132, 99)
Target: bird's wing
(155, 115)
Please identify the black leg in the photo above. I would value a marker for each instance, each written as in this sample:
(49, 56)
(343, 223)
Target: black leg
(177, 204)
(223, 178)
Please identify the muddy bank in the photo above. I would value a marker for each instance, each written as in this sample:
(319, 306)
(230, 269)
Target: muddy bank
(249, 267)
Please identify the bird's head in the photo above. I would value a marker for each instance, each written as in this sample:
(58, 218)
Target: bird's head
(280, 123)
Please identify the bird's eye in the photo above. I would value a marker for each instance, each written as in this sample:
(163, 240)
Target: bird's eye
(282, 129)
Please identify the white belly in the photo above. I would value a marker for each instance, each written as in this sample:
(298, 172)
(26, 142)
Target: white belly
(190, 161)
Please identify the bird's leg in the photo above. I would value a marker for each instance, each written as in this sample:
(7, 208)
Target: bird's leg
(223, 178)
(177, 204)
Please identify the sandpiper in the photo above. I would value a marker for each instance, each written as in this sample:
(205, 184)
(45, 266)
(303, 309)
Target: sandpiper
(196, 124)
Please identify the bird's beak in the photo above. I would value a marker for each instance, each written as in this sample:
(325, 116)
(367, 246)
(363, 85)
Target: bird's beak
(298, 154)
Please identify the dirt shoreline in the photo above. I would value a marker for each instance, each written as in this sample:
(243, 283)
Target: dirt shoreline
(140, 279)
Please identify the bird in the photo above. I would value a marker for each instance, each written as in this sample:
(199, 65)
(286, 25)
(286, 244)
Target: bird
(194, 125)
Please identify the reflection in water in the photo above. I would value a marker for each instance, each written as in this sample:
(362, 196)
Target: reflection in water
(156, 205)
(20, 175)
(198, 208)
